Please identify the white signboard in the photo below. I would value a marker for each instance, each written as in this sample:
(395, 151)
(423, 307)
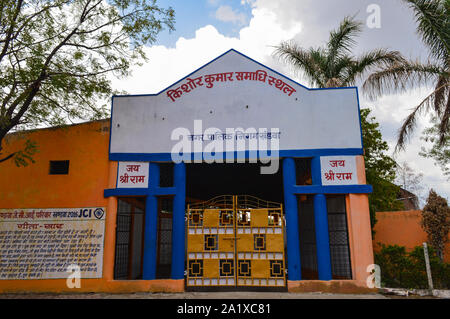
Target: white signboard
(338, 170)
(132, 175)
(238, 93)
(43, 243)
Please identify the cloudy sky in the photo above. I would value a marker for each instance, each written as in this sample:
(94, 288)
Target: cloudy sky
(207, 28)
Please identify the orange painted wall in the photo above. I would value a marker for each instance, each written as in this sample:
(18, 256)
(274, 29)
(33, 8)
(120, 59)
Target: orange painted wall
(360, 236)
(403, 229)
(85, 145)
(90, 172)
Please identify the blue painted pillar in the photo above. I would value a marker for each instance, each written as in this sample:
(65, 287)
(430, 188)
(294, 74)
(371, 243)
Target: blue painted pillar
(315, 171)
(290, 207)
(321, 223)
(178, 224)
(322, 237)
(151, 226)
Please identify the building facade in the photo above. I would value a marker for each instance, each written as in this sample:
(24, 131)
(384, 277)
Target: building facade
(234, 177)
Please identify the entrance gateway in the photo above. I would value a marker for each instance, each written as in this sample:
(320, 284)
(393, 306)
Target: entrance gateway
(318, 227)
(235, 241)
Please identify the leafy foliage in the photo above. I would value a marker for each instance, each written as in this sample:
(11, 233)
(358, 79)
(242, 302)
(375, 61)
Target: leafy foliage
(400, 269)
(440, 153)
(333, 65)
(23, 157)
(380, 169)
(409, 180)
(433, 19)
(436, 221)
(56, 56)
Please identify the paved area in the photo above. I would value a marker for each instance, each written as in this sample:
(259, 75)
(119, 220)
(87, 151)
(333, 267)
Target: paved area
(197, 295)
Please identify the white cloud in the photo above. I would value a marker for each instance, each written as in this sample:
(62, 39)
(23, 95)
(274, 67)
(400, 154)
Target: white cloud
(227, 14)
(168, 65)
(213, 2)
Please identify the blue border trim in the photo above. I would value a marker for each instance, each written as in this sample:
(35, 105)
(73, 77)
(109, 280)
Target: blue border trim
(157, 191)
(164, 157)
(341, 189)
(359, 114)
(125, 192)
(163, 191)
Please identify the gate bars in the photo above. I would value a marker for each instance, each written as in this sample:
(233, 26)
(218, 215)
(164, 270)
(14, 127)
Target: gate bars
(235, 241)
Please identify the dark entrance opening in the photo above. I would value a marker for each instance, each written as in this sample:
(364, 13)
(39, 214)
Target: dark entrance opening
(205, 181)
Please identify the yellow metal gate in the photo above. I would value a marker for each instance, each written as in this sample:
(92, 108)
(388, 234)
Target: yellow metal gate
(235, 241)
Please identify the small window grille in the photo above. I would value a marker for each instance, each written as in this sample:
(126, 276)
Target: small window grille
(338, 232)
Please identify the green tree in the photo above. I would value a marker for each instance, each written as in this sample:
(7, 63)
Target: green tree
(439, 153)
(411, 181)
(380, 169)
(402, 269)
(433, 18)
(334, 66)
(436, 222)
(56, 58)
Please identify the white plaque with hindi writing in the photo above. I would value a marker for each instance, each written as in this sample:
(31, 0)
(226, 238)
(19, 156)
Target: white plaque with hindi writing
(43, 243)
(338, 170)
(132, 175)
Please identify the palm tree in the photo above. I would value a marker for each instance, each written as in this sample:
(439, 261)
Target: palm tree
(333, 65)
(433, 21)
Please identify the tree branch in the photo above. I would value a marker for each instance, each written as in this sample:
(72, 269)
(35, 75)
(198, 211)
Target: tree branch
(10, 31)
(7, 157)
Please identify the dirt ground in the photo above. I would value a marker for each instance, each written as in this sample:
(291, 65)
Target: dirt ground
(197, 295)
